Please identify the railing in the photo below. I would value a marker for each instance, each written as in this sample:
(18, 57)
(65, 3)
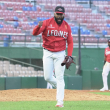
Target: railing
(36, 41)
(19, 40)
(23, 63)
(18, 69)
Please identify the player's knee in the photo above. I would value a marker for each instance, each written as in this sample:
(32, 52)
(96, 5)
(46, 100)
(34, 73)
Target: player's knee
(104, 74)
(60, 78)
(47, 78)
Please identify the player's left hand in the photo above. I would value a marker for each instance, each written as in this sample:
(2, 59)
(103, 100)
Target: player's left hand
(67, 61)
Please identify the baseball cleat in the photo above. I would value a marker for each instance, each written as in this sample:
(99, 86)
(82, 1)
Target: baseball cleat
(104, 89)
(59, 104)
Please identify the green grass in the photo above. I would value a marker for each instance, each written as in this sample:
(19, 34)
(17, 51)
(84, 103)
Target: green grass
(102, 93)
(50, 105)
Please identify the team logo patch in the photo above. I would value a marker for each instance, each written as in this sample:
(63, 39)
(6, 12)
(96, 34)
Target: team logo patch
(59, 9)
(50, 26)
(66, 26)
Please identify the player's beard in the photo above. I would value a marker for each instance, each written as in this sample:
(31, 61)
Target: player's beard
(56, 19)
(109, 46)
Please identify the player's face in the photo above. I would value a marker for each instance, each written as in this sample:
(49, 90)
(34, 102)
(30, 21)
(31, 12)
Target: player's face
(59, 17)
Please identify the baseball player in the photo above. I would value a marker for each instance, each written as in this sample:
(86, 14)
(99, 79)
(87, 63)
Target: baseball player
(106, 67)
(55, 33)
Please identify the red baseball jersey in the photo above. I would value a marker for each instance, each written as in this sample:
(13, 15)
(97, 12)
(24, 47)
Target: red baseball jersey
(55, 36)
(107, 54)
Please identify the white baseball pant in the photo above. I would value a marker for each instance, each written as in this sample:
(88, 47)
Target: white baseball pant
(49, 86)
(105, 73)
(52, 61)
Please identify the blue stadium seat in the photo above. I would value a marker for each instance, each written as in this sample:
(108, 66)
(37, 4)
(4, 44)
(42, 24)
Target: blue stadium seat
(74, 31)
(87, 32)
(35, 23)
(29, 8)
(104, 32)
(16, 24)
(100, 0)
(6, 42)
(24, 8)
(15, 18)
(48, 18)
(43, 18)
(34, 8)
(76, 27)
(81, 28)
(39, 19)
(108, 25)
(81, 0)
(9, 37)
(83, 32)
(96, 36)
(72, 27)
(1, 26)
(31, 23)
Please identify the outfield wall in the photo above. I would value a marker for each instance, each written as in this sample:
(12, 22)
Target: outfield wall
(74, 83)
(93, 80)
(90, 80)
(28, 55)
(90, 57)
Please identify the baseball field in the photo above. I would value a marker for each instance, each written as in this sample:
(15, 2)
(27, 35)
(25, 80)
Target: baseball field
(45, 99)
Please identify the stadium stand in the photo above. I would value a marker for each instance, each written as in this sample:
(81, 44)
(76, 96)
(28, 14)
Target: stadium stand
(21, 16)
(16, 70)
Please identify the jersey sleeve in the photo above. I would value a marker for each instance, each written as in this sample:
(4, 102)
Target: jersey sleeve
(69, 42)
(37, 30)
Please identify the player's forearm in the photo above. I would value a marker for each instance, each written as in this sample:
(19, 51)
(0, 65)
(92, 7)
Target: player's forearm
(36, 30)
(70, 49)
(104, 60)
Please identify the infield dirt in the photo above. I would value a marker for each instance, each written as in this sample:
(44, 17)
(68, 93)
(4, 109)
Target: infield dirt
(49, 95)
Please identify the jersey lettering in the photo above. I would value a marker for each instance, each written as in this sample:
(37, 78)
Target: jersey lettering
(61, 33)
(57, 33)
(108, 52)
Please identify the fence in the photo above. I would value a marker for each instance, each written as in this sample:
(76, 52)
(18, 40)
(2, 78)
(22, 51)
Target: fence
(22, 40)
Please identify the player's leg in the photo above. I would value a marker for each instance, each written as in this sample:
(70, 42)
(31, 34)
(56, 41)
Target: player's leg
(50, 86)
(48, 66)
(47, 85)
(59, 72)
(104, 76)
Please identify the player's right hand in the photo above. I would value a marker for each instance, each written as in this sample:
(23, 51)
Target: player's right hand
(40, 23)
